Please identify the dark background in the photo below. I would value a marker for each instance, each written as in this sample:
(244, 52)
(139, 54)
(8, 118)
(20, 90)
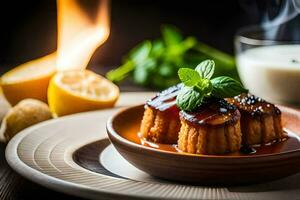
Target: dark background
(28, 28)
(28, 31)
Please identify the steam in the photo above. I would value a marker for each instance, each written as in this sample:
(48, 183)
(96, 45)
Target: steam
(289, 11)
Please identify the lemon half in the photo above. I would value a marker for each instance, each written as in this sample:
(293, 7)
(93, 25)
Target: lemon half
(29, 80)
(78, 91)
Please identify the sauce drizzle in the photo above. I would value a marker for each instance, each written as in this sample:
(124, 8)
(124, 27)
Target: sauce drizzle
(254, 105)
(166, 99)
(213, 112)
(292, 142)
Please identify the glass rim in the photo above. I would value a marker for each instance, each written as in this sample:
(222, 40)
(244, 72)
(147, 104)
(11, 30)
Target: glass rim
(242, 38)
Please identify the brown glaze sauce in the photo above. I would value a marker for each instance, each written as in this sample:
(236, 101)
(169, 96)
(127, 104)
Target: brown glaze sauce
(165, 101)
(214, 112)
(254, 105)
(291, 142)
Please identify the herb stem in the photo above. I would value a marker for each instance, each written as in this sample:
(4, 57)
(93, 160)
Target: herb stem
(121, 72)
(216, 54)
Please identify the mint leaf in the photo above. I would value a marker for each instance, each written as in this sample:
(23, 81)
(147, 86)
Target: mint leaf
(225, 86)
(141, 71)
(189, 76)
(206, 68)
(157, 49)
(141, 52)
(171, 35)
(189, 99)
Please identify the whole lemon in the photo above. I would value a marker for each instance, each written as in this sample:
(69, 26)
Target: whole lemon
(26, 113)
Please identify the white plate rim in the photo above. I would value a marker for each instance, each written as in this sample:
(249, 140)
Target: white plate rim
(58, 184)
(46, 180)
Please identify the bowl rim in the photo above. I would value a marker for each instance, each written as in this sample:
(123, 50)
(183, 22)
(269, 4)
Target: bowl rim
(112, 133)
(240, 36)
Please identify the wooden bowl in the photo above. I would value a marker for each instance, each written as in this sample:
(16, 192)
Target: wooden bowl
(205, 169)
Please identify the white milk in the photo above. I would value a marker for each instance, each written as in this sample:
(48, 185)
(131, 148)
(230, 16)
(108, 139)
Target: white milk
(272, 72)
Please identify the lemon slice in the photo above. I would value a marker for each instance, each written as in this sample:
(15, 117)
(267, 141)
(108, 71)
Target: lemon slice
(29, 80)
(78, 91)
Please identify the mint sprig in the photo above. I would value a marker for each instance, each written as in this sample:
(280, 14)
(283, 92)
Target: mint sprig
(197, 86)
(155, 63)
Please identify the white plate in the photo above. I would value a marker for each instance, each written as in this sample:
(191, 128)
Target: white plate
(44, 154)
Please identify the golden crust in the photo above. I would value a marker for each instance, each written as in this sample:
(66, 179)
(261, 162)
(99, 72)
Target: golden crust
(261, 130)
(209, 139)
(158, 126)
(260, 120)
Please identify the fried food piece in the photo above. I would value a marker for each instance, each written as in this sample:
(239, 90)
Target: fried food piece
(260, 120)
(161, 122)
(214, 128)
(157, 126)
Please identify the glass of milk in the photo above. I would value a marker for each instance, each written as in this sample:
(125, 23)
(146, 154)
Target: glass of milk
(269, 68)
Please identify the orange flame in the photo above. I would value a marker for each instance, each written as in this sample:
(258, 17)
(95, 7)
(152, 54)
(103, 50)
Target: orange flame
(78, 35)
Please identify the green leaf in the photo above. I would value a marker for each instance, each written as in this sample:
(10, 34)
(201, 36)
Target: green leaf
(170, 51)
(142, 71)
(189, 99)
(171, 35)
(224, 86)
(189, 76)
(206, 68)
(178, 50)
(141, 52)
(157, 48)
(140, 75)
(166, 70)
